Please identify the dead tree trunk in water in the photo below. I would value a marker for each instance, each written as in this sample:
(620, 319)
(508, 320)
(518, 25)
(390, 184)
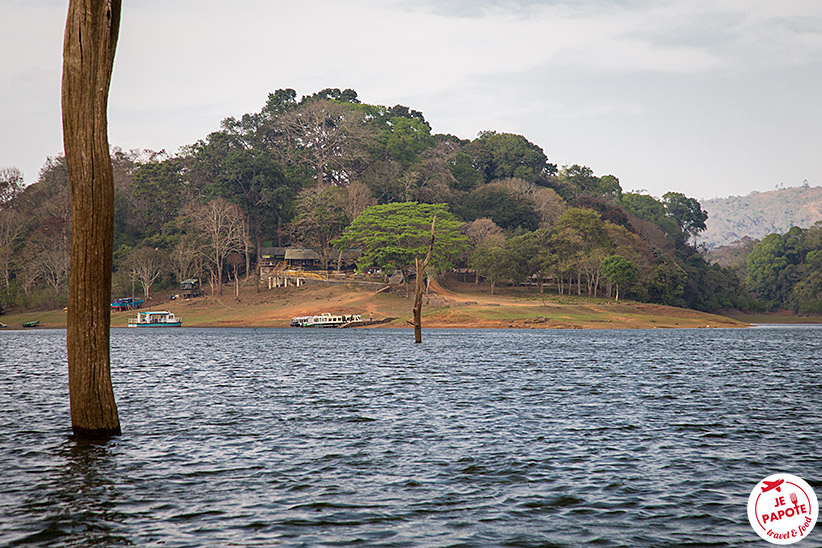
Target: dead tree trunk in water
(89, 44)
(421, 266)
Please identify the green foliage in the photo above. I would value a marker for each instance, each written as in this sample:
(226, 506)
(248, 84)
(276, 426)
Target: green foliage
(295, 173)
(405, 112)
(764, 265)
(580, 180)
(783, 270)
(502, 155)
(251, 178)
(405, 139)
(644, 206)
(463, 170)
(806, 296)
(505, 207)
(320, 218)
(814, 259)
(652, 210)
(493, 262)
(159, 190)
(280, 101)
(585, 222)
(686, 213)
(392, 236)
(680, 217)
(609, 187)
(164, 241)
(531, 255)
(576, 181)
(334, 94)
(619, 271)
(667, 284)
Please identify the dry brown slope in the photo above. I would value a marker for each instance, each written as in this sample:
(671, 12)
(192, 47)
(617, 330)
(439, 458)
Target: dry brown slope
(465, 306)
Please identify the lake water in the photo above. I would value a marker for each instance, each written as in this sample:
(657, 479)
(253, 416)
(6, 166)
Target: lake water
(276, 437)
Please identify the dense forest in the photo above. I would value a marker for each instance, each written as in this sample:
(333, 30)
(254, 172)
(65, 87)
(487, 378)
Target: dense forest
(781, 270)
(303, 169)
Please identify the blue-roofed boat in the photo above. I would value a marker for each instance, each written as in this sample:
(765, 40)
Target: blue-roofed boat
(127, 303)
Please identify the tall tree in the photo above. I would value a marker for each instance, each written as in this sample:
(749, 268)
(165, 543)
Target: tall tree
(221, 224)
(147, 264)
(580, 180)
(11, 184)
(583, 235)
(320, 219)
(46, 256)
(484, 232)
(186, 258)
(500, 155)
(492, 262)
(11, 225)
(89, 45)
(223, 167)
(325, 136)
(357, 198)
(159, 191)
(765, 264)
(506, 207)
(686, 212)
(619, 271)
(405, 138)
(532, 256)
(547, 203)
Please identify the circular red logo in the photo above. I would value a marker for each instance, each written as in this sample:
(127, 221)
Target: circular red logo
(783, 509)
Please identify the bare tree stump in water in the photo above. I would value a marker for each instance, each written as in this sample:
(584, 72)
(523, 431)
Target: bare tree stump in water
(90, 41)
(421, 266)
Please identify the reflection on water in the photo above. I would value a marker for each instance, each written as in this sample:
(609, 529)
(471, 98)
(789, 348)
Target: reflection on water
(77, 506)
(475, 438)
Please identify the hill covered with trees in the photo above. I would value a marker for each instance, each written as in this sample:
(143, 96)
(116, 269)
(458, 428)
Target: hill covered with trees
(760, 213)
(300, 172)
(781, 270)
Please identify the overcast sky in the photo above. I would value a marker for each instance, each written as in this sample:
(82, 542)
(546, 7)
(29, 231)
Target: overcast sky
(706, 97)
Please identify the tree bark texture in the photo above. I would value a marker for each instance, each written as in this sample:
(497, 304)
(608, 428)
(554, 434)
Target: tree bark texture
(89, 44)
(421, 266)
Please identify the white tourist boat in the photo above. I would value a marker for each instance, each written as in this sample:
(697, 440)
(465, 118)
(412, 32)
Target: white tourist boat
(160, 318)
(326, 320)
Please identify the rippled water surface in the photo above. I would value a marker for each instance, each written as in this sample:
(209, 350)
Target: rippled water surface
(359, 437)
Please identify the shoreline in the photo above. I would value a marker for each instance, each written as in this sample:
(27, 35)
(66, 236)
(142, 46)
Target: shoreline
(458, 306)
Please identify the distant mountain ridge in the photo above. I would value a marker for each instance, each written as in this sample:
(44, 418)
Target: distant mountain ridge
(760, 213)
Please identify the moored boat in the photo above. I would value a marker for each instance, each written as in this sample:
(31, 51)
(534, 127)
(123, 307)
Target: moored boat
(126, 303)
(326, 320)
(159, 318)
(33, 323)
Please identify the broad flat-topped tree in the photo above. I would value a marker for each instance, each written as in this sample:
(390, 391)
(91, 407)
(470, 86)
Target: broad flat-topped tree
(393, 236)
(403, 236)
(90, 41)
